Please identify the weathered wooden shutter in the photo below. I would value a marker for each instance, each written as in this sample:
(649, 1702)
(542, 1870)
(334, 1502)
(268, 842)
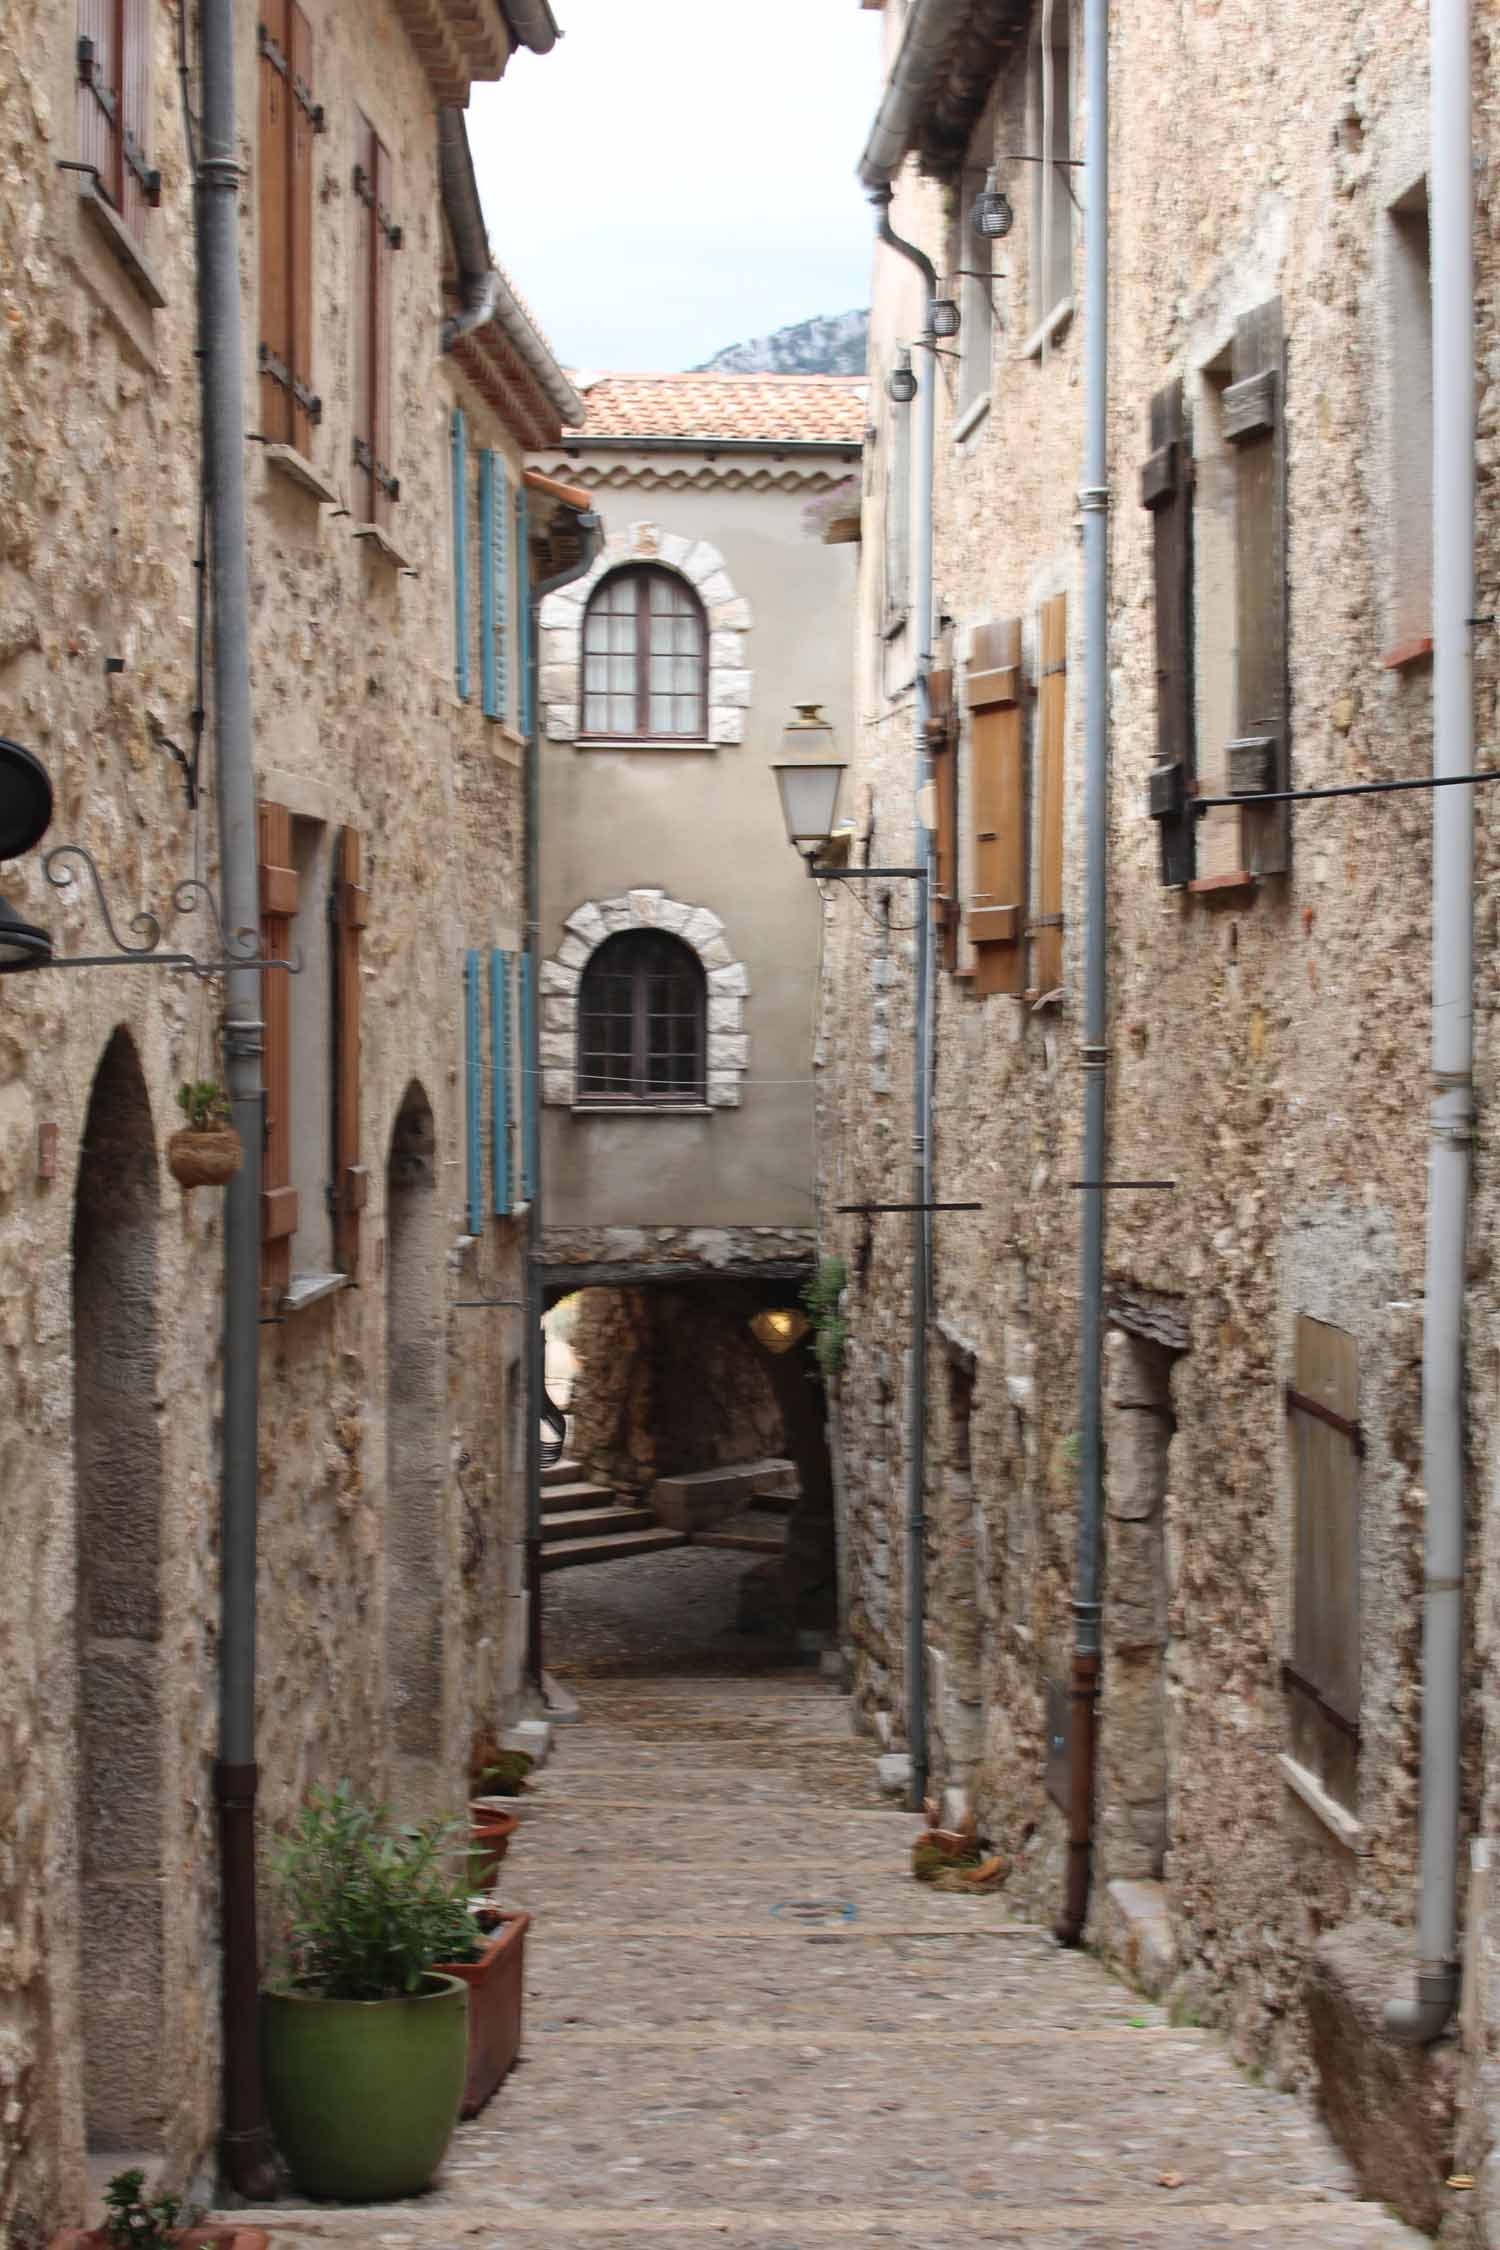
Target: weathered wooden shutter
(523, 613)
(387, 234)
(99, 117)
(1255, 425)
(139, 186)
(992, 691)
(942, 743)
(495, 567)
(1046, 924)
(1322, 1681)
(278, 906)
(306, 409)
(351, 1179)
(362, 374)
(473, 1094)
(500, 1077)
(529, 1151)
(460, 436)
(1167, 490)
(275, 221)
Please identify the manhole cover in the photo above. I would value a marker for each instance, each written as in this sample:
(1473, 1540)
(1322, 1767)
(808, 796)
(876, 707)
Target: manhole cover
(815, 1913)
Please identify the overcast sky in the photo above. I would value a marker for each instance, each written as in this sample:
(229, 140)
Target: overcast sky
(678, 175)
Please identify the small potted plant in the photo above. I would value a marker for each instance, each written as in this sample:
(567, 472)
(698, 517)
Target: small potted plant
(494, 1969)
(206, 1151)
(495, 1773)
(364, 2045)
(158, 2222)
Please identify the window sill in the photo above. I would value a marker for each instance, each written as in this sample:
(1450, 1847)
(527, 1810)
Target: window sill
(380, 544)
(1048, 330)
(123, 245)
(1212, 886)
(307, 1289)
(971, 417)
(298, 470)
(643, 1109)
(642, 742)
(1336, 1818)
(1407, 655)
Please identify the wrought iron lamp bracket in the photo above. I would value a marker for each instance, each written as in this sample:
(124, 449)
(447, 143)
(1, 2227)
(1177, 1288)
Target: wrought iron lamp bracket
(239, 951)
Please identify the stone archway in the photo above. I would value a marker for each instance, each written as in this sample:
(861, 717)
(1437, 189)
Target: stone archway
(727, 980)
(414, 1457)
(118, 1483)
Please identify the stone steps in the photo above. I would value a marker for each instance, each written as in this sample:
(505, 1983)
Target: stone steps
(584, 1522)
(562, 1498)
(562, 1472)
(747, 1542)
(613, 1546)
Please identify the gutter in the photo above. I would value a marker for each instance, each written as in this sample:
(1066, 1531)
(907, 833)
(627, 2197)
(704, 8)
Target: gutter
(531, 24)
(582, 442)
(488, 296)
(929, 27)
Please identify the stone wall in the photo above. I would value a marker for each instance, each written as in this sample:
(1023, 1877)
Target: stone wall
(356, 721)
(1267, 1045)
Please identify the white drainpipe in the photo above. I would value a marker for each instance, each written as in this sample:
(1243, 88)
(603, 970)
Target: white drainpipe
(1452, 202)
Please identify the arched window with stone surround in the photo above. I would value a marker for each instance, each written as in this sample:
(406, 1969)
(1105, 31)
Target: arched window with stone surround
(641, 1019)
(645, 658)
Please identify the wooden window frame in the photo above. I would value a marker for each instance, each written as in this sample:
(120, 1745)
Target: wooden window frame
(642, 1096)
(643, 574)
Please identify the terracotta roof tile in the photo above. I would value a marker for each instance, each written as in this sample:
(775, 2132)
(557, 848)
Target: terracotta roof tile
(790, 409)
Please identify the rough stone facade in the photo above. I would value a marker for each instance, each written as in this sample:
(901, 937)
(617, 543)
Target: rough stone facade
(1267, 1040)
(388, 1481)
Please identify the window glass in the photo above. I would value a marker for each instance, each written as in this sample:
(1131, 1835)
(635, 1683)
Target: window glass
(644, 657)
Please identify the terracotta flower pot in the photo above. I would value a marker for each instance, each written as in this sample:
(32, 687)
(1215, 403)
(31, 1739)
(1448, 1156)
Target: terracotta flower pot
(490, 1833)
(204, 1159)
(187, 2238)
(495, 1982)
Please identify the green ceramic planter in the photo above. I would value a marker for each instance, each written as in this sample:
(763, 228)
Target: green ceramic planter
(364, 2094)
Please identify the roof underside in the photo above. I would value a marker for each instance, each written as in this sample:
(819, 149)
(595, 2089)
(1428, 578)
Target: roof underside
(756, 409)
(460, 41)
(982, 42)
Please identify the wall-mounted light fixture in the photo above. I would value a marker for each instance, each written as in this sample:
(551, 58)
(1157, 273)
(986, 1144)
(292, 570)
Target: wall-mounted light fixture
(779, 1327)
(901, 383)
(25, 812)
(944, 317)
(992, 217)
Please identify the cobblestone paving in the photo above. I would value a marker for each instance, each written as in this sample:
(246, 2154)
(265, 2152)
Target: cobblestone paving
(747, 2026)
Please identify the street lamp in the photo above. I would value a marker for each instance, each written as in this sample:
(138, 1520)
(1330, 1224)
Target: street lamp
(901, 383)
(991, 217)
(809, 778)
(25, 811)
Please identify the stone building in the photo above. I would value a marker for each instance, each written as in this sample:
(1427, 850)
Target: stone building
(392, 384)
(678, 933)
(1271, 402)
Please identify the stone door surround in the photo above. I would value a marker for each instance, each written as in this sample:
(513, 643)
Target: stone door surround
(728, 1055)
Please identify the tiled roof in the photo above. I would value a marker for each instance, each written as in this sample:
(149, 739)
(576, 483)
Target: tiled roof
(789, 409)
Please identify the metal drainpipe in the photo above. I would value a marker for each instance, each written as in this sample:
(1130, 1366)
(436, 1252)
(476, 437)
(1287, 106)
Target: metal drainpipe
(1094, 502)
(1423, 2016)
(246, 2146)
(922, 1044)
(592, 526)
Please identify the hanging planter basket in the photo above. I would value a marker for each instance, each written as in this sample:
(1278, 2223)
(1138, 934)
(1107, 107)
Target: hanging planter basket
(206, 1157)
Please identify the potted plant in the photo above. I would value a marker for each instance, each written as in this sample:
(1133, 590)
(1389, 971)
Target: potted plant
(490, 1832)
(206, 1151)
(494, 1969)
(494, 1773)
(160, 2222)
(364, 2045)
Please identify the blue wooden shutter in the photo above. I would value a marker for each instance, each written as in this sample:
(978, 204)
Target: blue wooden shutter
(495, 487)
(523, 600)
(500, 1080)
(487, 583)
(474, 1092)
(528, 1079)
(461, 551)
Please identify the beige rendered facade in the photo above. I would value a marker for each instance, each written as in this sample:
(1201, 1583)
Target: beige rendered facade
(390, 1509)
(1255, 1844)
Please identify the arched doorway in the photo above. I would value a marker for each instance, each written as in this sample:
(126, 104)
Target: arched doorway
(118, 1483)
(414, 1463)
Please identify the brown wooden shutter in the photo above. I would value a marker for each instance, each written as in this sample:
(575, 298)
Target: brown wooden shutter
(300, 222)
(276, 106)
(135, 112)
(1322, 1681)
(351, 1178)
(278, 905)
(942, 743)
(992, 691)
(1167, 490)
(1052, 727)
(363, 373)
(98, 107)
(1255, 425)
(380, 345)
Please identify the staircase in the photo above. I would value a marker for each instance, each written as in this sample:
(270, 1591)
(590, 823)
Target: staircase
(585, 1523)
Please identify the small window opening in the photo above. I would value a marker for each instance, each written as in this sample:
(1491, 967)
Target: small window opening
(641, 1019)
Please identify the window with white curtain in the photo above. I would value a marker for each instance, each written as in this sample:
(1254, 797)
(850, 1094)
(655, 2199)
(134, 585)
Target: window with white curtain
(645, 658)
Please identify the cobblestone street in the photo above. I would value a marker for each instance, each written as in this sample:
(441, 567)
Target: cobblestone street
(747, 2025)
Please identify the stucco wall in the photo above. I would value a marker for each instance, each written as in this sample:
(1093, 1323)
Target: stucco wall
(703, 826)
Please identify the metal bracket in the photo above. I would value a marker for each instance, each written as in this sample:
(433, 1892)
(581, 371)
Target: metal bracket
(241, 951)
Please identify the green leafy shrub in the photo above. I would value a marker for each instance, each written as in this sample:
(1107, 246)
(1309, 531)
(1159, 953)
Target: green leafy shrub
(504, 1775)
(823, 1296)
(130, 2218)
(205, 1104)
(368, 1906)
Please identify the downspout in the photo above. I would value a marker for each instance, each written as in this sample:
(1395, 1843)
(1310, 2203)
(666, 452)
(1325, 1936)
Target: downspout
(591, 525)
(481, 296)
(1093, 499)
(245, 2147)
(1423, 2016)
(922, 1043)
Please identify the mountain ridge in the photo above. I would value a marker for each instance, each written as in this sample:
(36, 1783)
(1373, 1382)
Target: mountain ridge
(827, 344)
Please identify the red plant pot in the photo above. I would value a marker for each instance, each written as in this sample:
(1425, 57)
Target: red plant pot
(495, 1983)
(489, 1841)
(187, 2238)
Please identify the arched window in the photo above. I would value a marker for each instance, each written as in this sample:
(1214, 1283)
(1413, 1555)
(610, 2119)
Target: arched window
(641, 1021)
(645, 658)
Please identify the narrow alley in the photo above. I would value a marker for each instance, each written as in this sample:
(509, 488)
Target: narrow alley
(725, 1945)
